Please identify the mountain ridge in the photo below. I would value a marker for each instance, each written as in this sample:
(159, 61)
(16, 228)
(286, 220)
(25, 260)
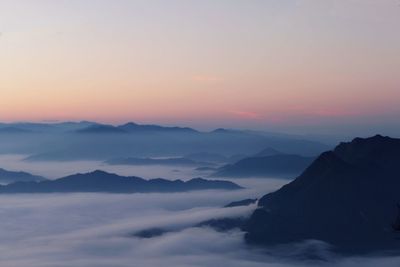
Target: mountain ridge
(347, 197)
(101, 181)
(7, 176)
(280, 165)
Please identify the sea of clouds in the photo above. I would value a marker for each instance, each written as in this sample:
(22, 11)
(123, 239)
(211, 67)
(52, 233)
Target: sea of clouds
(95, 230)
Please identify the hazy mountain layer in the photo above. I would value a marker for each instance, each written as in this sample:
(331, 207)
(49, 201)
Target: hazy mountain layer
(93, 141)
(99, 181)
(151, 161)
(280, 165)
(7, 177)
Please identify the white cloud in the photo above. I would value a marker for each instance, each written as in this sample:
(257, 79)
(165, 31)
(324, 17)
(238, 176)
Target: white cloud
(92, 230)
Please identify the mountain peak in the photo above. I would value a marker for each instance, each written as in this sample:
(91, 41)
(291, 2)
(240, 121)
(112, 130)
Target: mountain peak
(377, 150)
(221, 130)
(100, 172)
(131, 124)
(347, 197)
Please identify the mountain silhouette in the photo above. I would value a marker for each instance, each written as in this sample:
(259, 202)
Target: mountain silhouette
(244, 202)
(13, 130)
(133, 127)
(100, 181)
(269, 151)
(85, 140)
(151, 161)
(347, 197)
(7, 177)
(281, 165)
(101, 129)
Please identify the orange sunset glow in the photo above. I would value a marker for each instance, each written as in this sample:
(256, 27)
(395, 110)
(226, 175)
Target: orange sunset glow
(263, 64)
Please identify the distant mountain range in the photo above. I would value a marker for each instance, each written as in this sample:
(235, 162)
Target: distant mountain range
(133, 128)
(269, 151)
(202, 160)
(47, 127)
(89, 127)
(151, 161)
(13, 130)
(213, 157)
(101, 129)
(100, 181)
(7, 177)
(94, 141)
(347, 197)
(266, 163)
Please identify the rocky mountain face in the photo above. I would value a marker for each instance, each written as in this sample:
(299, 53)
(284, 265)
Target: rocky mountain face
(347, 197)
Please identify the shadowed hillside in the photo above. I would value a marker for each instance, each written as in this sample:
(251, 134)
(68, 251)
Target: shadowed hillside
(347, 197)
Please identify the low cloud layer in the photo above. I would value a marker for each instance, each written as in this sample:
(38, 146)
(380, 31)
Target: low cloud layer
(85, 230)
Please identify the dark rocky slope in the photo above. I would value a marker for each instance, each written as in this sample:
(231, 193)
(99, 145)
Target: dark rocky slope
(348, 197)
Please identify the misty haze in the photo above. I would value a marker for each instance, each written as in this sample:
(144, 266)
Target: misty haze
(199, 133)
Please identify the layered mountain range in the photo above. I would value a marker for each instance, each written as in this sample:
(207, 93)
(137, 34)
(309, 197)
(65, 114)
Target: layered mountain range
(86, 140)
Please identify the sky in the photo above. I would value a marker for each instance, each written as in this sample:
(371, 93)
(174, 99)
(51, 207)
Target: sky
(301, 66)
